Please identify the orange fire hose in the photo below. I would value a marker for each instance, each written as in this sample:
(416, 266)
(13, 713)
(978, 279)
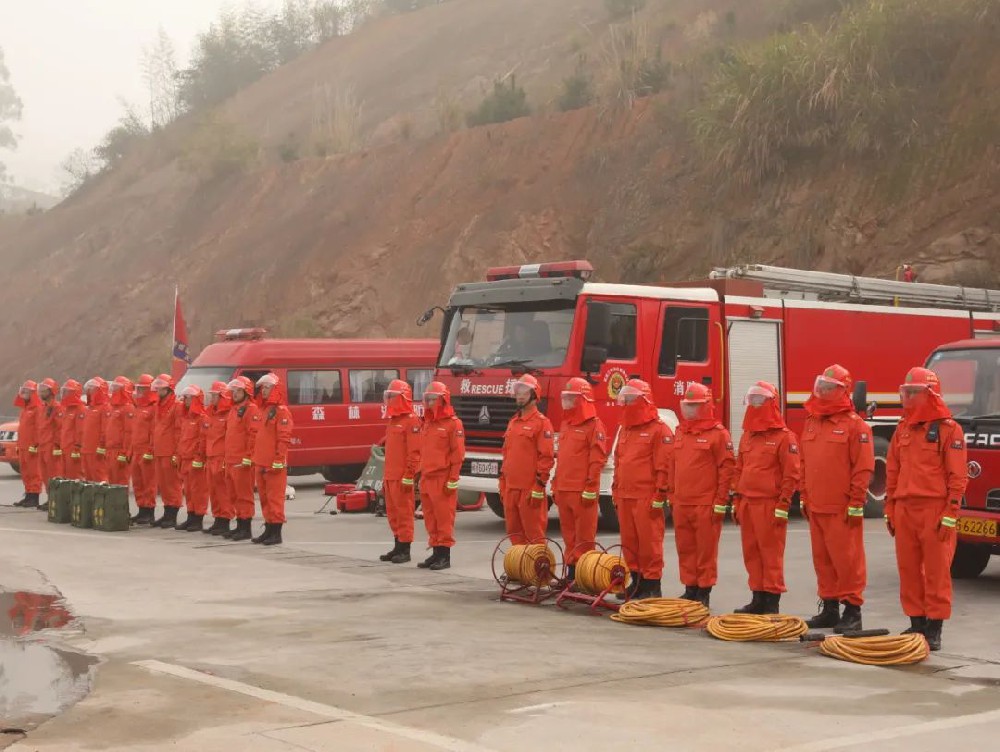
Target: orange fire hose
(662, 612)
(595, 570)
(755, 627)
(523, 564)
(891, 650)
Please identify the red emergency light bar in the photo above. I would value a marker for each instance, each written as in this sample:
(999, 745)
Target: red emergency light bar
(229, 335)
(579, 269)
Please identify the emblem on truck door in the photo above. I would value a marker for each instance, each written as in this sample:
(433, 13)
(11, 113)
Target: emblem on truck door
(484, 414)
(975, 470)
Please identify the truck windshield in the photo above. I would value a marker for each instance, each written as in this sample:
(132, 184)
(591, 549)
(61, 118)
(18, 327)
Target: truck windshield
(203, 376)
(970, 380)
(534, 335)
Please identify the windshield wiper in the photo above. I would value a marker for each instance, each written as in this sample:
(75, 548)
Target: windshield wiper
(986, 416)
(518, 366)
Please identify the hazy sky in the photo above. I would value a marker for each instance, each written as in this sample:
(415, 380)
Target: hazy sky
(71, 60)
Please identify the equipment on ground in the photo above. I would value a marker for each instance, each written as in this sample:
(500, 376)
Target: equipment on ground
(598, 574)
(888, 650)
(528, 573)
(60, 500)
(111, 510)
(663, 612)
(82, 505)
(756, 627)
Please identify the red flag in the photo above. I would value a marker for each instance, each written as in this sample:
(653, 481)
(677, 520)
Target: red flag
(181, 356)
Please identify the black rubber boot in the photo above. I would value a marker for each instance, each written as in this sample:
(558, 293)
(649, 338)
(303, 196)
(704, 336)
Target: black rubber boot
(933, 633)
(918, 625)
(387, 556)
(827, 618)
(195, 523)
(22, 501)
(264, 535)
(223, 527)
(653, 589)
(43, 506)
(169, 518)
(426, 563)
(242, 531)
(770, 603)
(274, 538)
(633, 587)
(143, 517)
(402, 554)
(850, 621)
(755, 605)
(443, 560)
(30, 501)
(704, 596)
(641, 590)
(690, 593)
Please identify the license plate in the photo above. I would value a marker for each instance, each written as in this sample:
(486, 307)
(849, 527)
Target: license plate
(977, 527)
(489, 469)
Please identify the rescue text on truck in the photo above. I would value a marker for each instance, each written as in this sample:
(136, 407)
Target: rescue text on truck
(746, 324)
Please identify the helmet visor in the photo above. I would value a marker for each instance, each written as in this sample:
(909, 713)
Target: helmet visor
(569, 400)
(690, 410)
(389, 395)
(826, 386)
(908, 393)
(91, 385)
(234, 384)
(757, 396)
(628, 395)
(190, 391)
(159, 383)
(522, 390)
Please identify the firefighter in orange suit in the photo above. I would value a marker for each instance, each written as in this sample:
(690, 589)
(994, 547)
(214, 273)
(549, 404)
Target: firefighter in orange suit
(926, 477)
(402, 459)
(72, 414)
(141, 449)
(270, 457)
(701, 478)
(583, 452)
(528, 457)
(93, 447)
(119, 431)
(166, 433)
(837, 464)
(27, 444)
(191, 458)
(220, 402)
(442, 449)
(241, 431)
(767, 476)
(642, 480)
(49, 453)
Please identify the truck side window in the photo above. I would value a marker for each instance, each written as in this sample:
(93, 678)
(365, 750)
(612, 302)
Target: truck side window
(685, 338)
(418, 379)
(314, 388)
(623, 332)
(368, 385)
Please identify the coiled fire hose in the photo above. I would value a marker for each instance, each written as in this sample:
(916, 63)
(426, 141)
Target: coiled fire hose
(891, 650)
(526, 564)
(662, 612)
(755, 627)
(595, 571)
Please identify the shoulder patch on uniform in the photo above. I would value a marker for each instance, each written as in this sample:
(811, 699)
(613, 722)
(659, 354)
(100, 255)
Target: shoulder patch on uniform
(956, 445)
(460, 432)
(793, 449)
(863, 438)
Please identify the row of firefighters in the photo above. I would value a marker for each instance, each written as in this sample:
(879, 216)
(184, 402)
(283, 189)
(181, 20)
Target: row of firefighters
(199, 450)
(696, 473)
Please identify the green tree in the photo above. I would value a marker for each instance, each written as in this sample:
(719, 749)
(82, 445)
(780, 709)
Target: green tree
(10, 111)
(122, 138)
(502, 104)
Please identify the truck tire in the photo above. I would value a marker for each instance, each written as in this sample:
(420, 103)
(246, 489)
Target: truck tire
(875, 503)
(609, 516)
(970, 560)
(493, 502)
(342, 473)
(15, 467)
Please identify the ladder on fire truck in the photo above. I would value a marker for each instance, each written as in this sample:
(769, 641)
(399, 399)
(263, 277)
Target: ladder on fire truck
(827, 286)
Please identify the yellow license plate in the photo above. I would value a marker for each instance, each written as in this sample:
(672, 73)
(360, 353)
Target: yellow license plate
(978, 527)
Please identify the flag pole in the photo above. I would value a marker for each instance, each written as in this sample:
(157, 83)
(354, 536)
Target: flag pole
(173, 336)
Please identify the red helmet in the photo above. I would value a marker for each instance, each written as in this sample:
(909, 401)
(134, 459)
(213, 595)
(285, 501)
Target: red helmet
(759, 393)
(921, 378)
(144, 380)
(834, 376)
(635, 389)
(51, 384)
(220, 388)
(579, 386)
(437, 389)
(529, 381)
(697, 394)
(242, 383)
(28, 393)
(163, 381)
(268, 379)
(397, 387)
(193, 390)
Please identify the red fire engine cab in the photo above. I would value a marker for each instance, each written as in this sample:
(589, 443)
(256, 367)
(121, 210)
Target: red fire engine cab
(970, 383)
(334, 389)
(745, 324)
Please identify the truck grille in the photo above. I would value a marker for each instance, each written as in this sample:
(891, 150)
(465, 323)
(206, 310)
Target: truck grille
(485, 419)
(993, 500)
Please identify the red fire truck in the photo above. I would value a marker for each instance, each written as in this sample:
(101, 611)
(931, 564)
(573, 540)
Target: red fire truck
(334, 389)
(970, 382)
(747, 323)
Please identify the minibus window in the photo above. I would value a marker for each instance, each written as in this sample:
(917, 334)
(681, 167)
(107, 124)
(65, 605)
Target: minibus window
(314, 388)
(418, 379)
(368, 385)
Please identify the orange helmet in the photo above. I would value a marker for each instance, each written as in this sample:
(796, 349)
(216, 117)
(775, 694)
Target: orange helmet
(834, 376)
(71, 392)
(696, 404)
(697, 394)
(219, 387)
(27, 394)
(194, 391)
(530, 382)
(163, 381)
(921, 378)
(635, 389)
(396, 388)
(760, 393)
(144, 380)
(121, 390)
(49, 384)
(242, 383)
(579, 386)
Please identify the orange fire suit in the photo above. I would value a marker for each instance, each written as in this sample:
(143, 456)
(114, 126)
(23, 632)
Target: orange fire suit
(925, 482)
(528, 457)
(28, 449)
(270, 459)
(50, 463)
(241, 431)
(215, 453)
(643, 458)
(119, 442)
(442, 449)
(402, 459)
(166, 432)
(191, 456)
(837, 464)
(702, 469)
(767, 475)
(143, 459)
(583, 452)
(93, 447)
(71, 420)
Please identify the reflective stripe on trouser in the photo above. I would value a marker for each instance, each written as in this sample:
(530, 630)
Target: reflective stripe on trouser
(439, 505)
(239, 482)
(578, 523)
(838, 552)
(72, 468)
(144, 482)
(697, 537)
(525, 517)
(924, 561)
(763, 545)
(642, 536)
(168, 482)
(95, 467)
(49, 465)
(218, 489)
(399, 509)
(271, 487)
(118, 472)
(195, 485)
(31, 471)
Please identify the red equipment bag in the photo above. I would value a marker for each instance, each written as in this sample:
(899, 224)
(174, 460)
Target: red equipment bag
(357, 500)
